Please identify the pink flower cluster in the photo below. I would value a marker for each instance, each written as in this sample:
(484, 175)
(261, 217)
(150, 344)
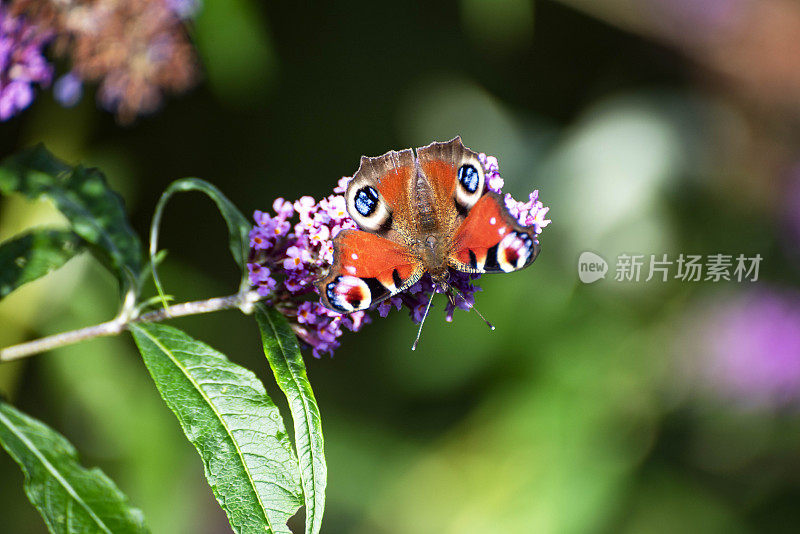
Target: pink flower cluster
(288, 255)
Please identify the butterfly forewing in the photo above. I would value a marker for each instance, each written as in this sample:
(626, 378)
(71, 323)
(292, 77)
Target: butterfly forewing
(456, 176)
(377, 196)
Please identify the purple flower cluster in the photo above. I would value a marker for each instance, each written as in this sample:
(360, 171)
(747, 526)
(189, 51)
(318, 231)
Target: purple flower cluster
(416, 298)
(750, 350)
(22, 63)
(286, 258)
(136, 52)
(288, 255)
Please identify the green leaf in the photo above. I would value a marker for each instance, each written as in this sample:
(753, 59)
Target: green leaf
(69, 497)
(96, 213)
(29, 256)
(238, 225)
(280, 346)
(228, 416)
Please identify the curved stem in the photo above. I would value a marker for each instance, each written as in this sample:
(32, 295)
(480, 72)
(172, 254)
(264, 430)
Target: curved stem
(243, 301)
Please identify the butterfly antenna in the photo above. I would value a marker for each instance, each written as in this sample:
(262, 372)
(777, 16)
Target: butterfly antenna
(422, 322)
(472, 307)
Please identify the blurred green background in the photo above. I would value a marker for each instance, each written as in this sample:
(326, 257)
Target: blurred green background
(649, 127)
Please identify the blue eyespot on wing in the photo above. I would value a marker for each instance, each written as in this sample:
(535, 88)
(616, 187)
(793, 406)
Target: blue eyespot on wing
(366, 200)
(379, 190)
(347, 294)
(455, 173)
(469, 178)
(490, 240)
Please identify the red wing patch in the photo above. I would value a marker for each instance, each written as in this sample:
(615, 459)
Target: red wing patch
(366, 270)
(485, 225)
(391, 175)
(394, 186)
(490, 240)
(442, 164)
(367, 255)
(442, 177)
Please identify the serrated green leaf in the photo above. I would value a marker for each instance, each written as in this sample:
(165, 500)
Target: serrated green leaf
(227, 415)
(70, 498)
(238, 226)
(280, 346)
(96, 213)
(31, 255)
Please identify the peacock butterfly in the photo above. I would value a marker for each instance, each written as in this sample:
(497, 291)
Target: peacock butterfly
(429, 213)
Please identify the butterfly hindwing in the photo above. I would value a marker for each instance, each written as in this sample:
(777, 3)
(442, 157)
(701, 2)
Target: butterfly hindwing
(367, 269)
(490, 240)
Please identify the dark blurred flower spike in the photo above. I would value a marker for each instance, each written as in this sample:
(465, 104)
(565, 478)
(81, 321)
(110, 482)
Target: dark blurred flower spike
(137, 52)
(287, 257)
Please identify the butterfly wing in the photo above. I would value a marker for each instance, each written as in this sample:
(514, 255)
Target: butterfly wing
(371, 265)
(485, 237)
(457, 179)
(490, 240)
(396, 200)
(367, 269)
(378, 196)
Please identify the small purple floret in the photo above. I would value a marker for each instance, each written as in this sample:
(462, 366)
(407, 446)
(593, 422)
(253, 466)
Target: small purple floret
(68, 89)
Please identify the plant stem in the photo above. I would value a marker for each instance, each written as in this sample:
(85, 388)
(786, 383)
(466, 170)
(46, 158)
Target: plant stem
(244, 301)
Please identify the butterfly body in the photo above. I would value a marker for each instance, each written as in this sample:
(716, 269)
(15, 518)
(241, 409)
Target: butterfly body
(429, 213)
